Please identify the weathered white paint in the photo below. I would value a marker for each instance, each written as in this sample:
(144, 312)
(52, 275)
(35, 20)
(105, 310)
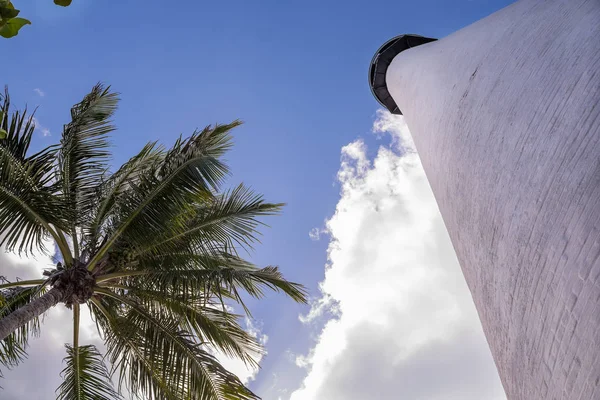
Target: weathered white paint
(506, 117)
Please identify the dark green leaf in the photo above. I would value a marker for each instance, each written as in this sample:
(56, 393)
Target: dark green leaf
(63, 3)
(7, 4)
(8, 12)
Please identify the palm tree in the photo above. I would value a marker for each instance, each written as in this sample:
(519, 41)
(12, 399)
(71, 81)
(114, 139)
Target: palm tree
(151, 249)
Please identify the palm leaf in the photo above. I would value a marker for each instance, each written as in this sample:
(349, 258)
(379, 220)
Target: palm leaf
(27, 208)
(195, 272)
(115, 186)
(202, 318)
(191, 168)
(229, 219)
(85, 377)
(176, 357)
(84, 153)
(29, 204)
(135, 370)
(19, 127)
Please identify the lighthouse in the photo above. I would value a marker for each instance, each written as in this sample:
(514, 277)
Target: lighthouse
(505, 115)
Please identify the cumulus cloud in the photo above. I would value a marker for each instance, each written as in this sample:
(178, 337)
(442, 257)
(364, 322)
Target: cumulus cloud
(39, 92)
(399, 319)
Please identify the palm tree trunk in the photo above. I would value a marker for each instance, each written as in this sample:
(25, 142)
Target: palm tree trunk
(23, 315)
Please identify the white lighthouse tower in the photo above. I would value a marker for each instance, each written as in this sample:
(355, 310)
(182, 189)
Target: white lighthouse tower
(505, 115)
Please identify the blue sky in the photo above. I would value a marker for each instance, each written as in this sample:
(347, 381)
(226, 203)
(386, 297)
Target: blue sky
(295, 72)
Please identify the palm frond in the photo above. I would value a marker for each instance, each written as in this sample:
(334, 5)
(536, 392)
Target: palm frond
(27, 208)
(223, 276)
(114, 186)
(135, 370)
(177, 357)
(204, 319)
(19, 127)
(190, 168)
(12, 353)
(29, 204)
(229, 219)
(84, 153)
(85, 376)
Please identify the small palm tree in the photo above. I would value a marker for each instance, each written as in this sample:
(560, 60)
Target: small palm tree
(151, 250)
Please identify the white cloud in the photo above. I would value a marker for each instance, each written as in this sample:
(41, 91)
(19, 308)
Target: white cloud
(39, 92)
(40, 128)
(403, 322)
(315, 233)
(320, 306)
